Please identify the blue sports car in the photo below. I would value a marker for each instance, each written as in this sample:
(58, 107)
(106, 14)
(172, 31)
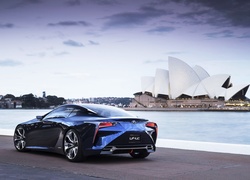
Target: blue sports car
(78, 131)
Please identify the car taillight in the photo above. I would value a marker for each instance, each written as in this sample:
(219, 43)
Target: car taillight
(105, 124)
(102, 125)
(152, 125)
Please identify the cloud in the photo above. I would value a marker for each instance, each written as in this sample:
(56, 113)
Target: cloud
(97, 2)
(131, 19)
(227, 34)
(104, 2)
(40, 54)
(93, 43)
(155, 61)
(174, 52)
(74, 75)
(60, 53)
(47, 54)
(161, 29)
(197, 17)
(73, 2)
(6, 26)
(221, 34)
(244, 36)
(10, 63)
(25, 3)
(73, 43)
(235, 13)
(70, 23)
(218, 13)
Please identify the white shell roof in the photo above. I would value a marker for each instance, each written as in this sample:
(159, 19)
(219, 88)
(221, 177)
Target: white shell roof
(161, 82)
(213, 84)
(196, 90)
(230, 92)
(147, 84)
(182, 79)
(202, 73)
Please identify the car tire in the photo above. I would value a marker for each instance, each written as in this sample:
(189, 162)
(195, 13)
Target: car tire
(73, 146)
(140, 154)
(19, 139)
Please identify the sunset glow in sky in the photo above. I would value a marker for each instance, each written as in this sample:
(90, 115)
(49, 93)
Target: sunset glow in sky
(102, 48)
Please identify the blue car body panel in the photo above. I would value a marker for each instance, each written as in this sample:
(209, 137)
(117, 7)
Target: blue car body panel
(102, 130)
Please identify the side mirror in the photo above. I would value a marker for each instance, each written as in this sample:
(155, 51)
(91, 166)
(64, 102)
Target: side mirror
(39, 117)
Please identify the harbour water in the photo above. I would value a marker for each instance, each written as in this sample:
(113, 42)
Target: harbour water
(224, 132)
(217, 127)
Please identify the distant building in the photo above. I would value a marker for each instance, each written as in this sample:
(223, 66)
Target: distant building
(18, 104)
(192, 84)
(44, 94)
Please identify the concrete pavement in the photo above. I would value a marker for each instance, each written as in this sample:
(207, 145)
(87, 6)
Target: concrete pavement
(166, 163)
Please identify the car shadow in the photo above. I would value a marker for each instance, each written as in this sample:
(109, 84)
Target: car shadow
(115, 158)
(97, 159)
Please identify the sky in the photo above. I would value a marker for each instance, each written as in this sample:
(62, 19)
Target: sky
(102, 48)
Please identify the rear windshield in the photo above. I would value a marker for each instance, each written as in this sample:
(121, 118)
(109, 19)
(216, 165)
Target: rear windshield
(108, 111)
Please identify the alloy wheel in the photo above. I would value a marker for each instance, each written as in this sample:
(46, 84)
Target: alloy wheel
(19, 139)
(71, 145)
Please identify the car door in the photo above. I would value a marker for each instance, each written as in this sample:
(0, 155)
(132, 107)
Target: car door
(47, 130)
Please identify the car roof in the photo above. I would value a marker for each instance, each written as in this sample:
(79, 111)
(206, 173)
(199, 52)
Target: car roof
(105, 110)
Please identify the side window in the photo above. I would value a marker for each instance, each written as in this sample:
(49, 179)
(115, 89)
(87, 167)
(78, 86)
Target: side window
(62, 112)
(78, 112)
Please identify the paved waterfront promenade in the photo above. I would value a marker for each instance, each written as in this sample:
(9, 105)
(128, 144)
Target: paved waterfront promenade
(166, 163)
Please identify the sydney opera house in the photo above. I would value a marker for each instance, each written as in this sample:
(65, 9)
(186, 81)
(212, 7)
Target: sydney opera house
(182, 85)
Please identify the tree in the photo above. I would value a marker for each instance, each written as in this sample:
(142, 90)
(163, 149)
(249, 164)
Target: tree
(9, 96)
(29, 101)
(55, 101)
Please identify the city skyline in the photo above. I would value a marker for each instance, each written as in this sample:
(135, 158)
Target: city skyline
(101, 48)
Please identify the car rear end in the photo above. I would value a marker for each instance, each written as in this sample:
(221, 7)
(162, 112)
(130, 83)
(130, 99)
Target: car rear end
(125, 135)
